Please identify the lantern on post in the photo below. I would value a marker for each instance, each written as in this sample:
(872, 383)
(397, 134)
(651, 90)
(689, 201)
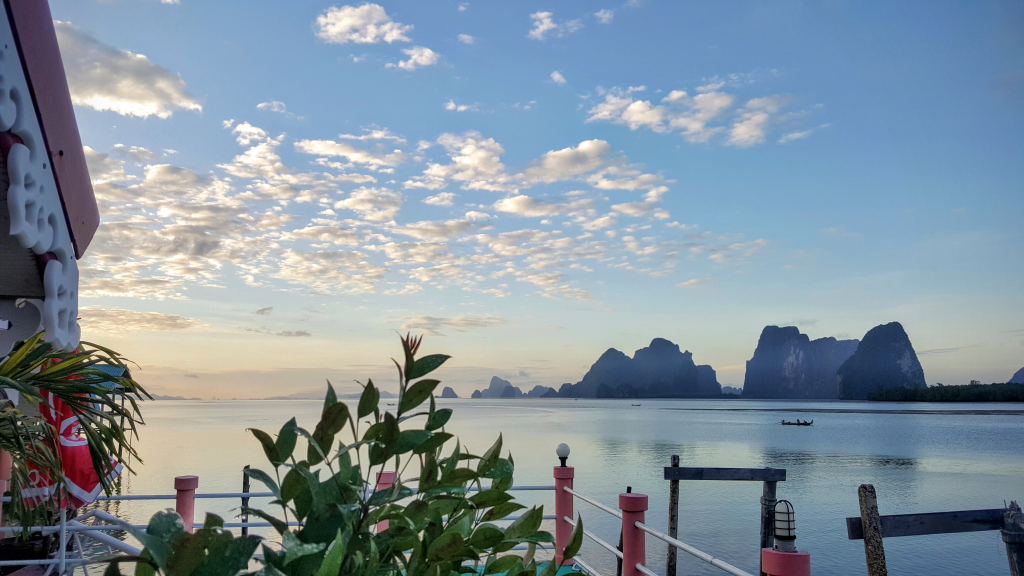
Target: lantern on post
(784, 559)
(785, 527)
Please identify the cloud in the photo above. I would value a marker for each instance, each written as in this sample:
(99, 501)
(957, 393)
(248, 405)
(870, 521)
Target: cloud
(452, 106)
(367, 24)
(373, 134)
(569, 162)
(265, 311)
(466, 39)
(285, 333)
(526, 206)
(419, 56)
(273, 106)
(442, 199)
(434, 326)
(117, 321)
(605, 16)
(801, 134)
(557, 77)
(373, 204)
(754, 118)
(107, 79)
(350, 152)
(476, 163)
(693, 282)
(544, 26)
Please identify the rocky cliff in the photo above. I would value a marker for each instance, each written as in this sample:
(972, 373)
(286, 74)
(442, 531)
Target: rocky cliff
(1018, 378)
(540, 392)
(498, 388)
(788, 364)
(885, 358)
(657, 371)
(448, 393)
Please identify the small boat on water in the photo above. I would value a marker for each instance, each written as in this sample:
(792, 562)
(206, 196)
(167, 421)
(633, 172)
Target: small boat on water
(798, 422)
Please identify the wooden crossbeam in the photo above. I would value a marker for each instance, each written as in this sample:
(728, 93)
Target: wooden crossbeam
(742, 474)
(931, 523)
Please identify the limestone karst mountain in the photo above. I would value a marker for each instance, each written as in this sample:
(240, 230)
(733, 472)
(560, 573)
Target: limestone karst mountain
(885, 358)
(788, 364)
(1017, 378)
(657, 371)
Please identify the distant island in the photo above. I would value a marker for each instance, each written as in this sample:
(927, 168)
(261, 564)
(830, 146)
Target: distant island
(786, 364)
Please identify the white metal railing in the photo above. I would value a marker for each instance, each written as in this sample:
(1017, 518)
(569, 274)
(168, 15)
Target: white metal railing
(599, 542)
(692, 551)
(594, 503)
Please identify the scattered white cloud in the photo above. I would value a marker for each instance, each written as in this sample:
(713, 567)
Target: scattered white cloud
(453, 107)
(419, 56)
(693, 282)
(265, 311)
(373, 134)
(544, 26)
(118, 321)
(367, 24)
(605, 16)
(442, 199)
(285, 333)
(108, 79)
(466, 39)
(350, 152)
(373, 204)
(799, 135)
(435, 326)
(557, 77)
(273, 106)
(754, 119)
(463, 6)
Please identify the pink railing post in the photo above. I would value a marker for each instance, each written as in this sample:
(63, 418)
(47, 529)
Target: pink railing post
(634, 548)
(563, 510)
(385, 480)
(185, 500)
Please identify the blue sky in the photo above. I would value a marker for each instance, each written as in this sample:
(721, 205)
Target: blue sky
(532, 183)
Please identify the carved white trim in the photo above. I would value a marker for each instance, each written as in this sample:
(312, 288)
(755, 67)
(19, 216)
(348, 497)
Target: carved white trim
(36, 213)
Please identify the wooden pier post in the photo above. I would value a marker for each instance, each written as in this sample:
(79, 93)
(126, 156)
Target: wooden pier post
(768, 516)
(673, 520)
(1013, 536)
(874, 552)
(245, 499)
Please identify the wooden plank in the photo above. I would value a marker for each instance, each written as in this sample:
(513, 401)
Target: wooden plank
(931, 523)
(741, 474)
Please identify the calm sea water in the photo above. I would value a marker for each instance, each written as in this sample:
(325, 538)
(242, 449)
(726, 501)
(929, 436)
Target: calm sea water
(917, 463)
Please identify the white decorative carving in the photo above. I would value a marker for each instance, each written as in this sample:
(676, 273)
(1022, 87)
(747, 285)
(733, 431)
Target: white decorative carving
(60, 307)
(36, 213)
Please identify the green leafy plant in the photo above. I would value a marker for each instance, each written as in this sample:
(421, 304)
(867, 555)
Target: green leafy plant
(442, 511)
(106, 406)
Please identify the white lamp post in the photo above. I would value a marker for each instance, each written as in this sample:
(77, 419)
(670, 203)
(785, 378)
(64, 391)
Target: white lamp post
(563, 452)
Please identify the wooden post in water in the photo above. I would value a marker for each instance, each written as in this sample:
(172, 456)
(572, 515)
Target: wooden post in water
(768, 516)
(673, 519)
(245, 500)
(874, 552)
(1013, 536)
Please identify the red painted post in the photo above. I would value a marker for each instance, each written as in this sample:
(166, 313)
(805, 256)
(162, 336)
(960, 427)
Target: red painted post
(563, 510)
(385, 480)
(779, 563)
(634, 547)
(185, 500)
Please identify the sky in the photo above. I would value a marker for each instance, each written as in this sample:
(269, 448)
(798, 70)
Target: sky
(286, 187)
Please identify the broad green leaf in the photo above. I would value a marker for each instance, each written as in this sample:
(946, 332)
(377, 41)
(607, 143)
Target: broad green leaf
(502, 510)
(368, 400)
(488, 498)
(330, 399)
(331, 422)
(432, 443)
(396, 492)
(426, 365)
(550, 570)
(285, 443)
(295, 548)
(459, 476)
(490, 457)
(501, 469)
(292, 485)
(269, 447)
(503, 564)
(526, 525)
(212, 521)
(448, 547)
(331, 564)
(267, 480)
(278, 525)
(486, 536)
(501, 483)
(410, 439)
(575, 540)
(439, 418)
(416, 394)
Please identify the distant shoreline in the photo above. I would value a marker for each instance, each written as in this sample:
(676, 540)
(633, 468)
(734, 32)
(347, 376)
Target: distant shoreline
(971, 412)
